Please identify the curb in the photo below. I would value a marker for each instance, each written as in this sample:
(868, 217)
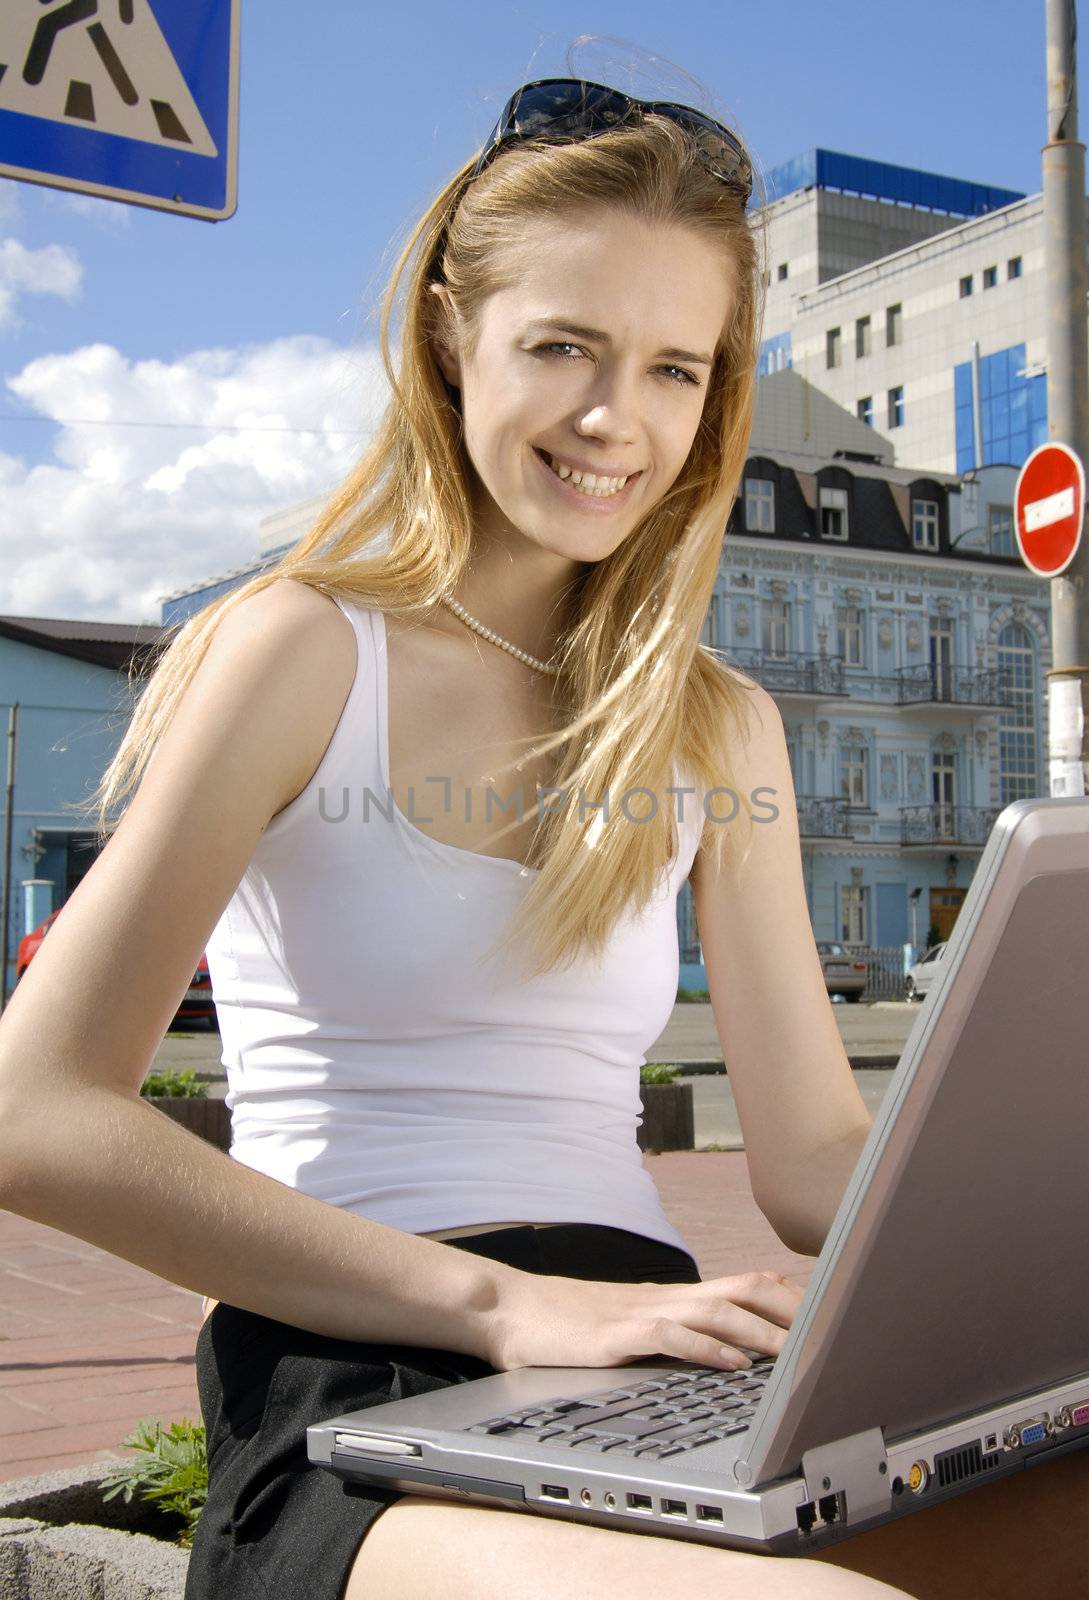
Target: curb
(58, 1537)
(858, 1064)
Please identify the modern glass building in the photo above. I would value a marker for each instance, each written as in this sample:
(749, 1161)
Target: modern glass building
(913, 300)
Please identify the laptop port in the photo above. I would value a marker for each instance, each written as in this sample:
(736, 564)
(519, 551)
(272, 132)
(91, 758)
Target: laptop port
(674, 1508)
(554, 1491)
(640, 1502)
(708, 1514)
(807, 1516)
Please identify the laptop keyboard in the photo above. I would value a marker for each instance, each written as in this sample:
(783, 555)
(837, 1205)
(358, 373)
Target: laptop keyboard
(657, 1418)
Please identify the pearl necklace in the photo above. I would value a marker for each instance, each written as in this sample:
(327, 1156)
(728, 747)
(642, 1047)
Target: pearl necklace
(493, 638)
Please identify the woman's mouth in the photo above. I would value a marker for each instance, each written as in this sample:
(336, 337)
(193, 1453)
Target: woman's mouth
(588, 491)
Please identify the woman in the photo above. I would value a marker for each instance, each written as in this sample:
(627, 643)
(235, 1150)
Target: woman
(431, 1022)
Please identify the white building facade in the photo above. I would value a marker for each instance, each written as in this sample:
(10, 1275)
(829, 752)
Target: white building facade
(916, 302)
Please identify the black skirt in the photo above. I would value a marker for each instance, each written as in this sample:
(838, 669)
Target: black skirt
(275, 1525)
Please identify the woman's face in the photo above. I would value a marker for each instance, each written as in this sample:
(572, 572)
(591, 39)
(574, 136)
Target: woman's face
(598, 360)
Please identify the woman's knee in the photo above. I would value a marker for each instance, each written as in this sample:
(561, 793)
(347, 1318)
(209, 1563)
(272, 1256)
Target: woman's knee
(419, 1547)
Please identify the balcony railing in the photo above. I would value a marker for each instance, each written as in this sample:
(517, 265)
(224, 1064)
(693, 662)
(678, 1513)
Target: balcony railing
(792, 673)
(937, 683)
(823, 817)
(942, 824)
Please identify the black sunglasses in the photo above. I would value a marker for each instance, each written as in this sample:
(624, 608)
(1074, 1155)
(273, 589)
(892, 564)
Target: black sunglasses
(558, 109)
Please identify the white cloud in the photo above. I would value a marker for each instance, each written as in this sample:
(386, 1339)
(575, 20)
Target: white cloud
(54, 269)
(124, 515)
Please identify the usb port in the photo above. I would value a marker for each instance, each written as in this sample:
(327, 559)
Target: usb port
(640, 1502)
(708, 1514)
(554, 1491)
(674, 1508)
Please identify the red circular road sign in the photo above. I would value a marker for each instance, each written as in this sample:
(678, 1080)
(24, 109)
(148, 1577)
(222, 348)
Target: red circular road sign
(1049, 504)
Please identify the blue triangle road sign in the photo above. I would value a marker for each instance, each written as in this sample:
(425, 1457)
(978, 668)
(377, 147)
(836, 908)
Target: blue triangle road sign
(133, 100)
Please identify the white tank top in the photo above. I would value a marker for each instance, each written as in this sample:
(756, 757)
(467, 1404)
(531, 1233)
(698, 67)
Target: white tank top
(373, 1061)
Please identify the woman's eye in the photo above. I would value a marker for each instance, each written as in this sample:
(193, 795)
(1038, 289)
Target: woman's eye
(684, 376)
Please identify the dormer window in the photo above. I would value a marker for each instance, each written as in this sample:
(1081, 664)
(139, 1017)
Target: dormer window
(759, 505)
(924, 524)
(833, 513)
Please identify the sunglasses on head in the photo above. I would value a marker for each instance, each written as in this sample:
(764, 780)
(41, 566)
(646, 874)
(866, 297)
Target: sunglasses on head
(560, 109)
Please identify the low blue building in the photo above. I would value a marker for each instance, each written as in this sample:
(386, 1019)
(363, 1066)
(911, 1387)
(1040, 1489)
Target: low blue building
(64, 700)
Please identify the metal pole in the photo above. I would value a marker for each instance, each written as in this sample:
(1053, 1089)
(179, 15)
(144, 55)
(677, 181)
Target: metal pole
(1067, 288)
(5, 908)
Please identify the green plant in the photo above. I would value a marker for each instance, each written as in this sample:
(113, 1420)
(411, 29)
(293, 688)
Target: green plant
(692, 995)
(172, 1084)
(171, 1471)
(658, 1072)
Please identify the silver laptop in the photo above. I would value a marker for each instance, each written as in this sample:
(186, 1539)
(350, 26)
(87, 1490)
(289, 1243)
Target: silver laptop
(943, 1339)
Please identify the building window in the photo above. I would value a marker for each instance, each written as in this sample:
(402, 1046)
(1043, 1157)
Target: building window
(710, 632)
(852, 774)
(833, 510)
(1018, 777)
(759, 505)
(990, 277)
(894, 325)
(776, 620)
(864, 410)
(924, 524)
(966, 287)
(849, 635)
(1000, 529)
(862, 336)
(833, 345)
(782, 271)
(854, 913)
(943, 793)
(1013, 267)
(896, 407)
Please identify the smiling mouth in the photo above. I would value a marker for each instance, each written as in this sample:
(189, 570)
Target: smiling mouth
(597, 492)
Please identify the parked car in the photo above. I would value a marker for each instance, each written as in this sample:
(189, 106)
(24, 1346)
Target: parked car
(844, 972)
(922, 974)
(198, 997)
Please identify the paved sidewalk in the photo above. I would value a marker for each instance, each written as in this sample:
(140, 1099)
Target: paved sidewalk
(90, 1343)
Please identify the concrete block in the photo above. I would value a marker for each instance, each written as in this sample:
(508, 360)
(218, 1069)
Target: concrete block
(59, 1540)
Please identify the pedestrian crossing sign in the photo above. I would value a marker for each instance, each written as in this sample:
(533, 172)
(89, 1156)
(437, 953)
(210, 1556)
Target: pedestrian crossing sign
(133, 100)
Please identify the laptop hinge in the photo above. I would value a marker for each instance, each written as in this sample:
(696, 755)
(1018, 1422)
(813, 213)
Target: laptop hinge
(857, 1468)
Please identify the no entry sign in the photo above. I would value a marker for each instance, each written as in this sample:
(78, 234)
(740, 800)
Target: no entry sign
(1049, 506)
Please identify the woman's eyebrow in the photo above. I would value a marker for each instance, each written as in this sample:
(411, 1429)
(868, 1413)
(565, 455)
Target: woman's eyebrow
(560, 326)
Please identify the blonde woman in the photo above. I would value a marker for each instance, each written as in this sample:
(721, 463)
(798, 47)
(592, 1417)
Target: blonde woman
(433, 1010)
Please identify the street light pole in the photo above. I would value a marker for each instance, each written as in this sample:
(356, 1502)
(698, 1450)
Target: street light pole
(1067, 291)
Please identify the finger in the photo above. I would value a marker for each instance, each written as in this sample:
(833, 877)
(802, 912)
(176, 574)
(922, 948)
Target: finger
(666, 1337)
(764, 1292)
(732, 1323)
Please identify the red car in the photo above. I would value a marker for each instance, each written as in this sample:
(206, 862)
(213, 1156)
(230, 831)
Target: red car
(198, 997)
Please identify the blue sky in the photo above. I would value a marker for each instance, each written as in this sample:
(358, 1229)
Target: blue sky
(351, 117)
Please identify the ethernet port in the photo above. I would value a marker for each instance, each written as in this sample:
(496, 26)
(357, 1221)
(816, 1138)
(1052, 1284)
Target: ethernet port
(807, 1516)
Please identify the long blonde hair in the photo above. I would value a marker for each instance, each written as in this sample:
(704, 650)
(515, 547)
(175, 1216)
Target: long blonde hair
(639, 690)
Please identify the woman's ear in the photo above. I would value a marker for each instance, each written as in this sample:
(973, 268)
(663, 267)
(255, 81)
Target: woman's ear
(442, 326)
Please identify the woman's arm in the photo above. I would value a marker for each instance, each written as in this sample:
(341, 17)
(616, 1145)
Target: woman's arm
(801, 1112)
(79, 1149)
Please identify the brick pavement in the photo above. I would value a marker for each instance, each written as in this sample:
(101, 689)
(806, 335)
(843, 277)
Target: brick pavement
(90, 1343)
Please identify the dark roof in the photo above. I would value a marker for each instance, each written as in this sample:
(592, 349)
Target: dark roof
(102, 644)
(879, 506)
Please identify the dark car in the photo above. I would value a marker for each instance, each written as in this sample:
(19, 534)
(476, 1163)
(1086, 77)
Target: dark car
(844, 972)
(196, 1005)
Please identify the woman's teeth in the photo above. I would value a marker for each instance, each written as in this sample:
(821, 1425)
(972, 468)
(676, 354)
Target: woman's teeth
(586, 482)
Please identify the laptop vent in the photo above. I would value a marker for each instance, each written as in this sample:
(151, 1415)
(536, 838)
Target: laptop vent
(953, 1466)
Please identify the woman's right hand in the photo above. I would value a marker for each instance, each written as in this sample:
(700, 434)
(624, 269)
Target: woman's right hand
(545, 1321)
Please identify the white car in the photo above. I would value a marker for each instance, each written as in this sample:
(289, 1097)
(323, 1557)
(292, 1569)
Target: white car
(923, 973)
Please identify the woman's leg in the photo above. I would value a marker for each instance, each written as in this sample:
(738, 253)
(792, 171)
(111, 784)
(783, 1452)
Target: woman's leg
(419, 1548)
(1022, 1535)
